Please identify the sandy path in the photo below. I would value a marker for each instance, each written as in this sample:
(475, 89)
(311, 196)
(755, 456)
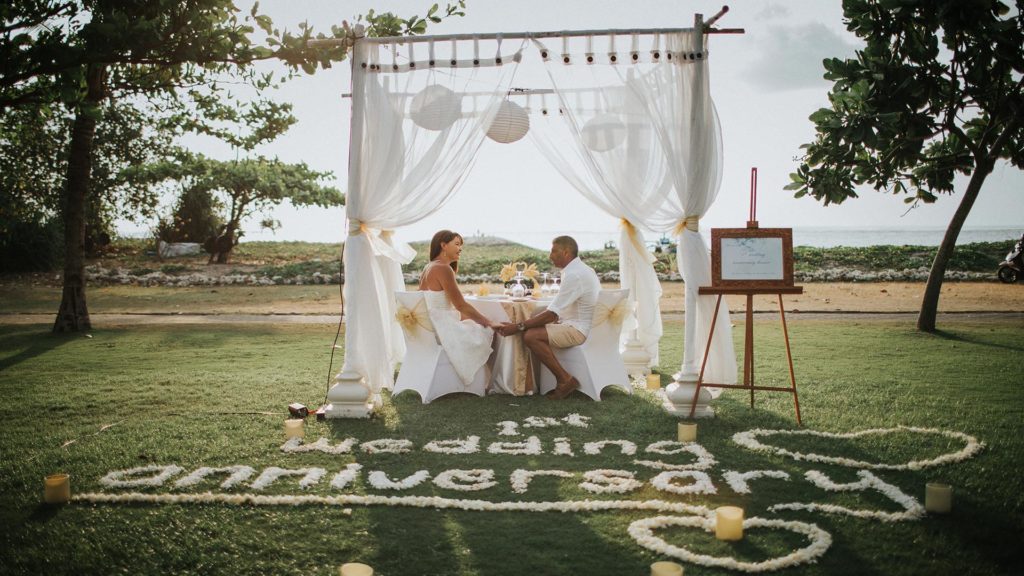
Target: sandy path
(320, 304)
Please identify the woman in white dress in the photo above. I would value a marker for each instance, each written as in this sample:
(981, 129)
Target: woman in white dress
(466, 335)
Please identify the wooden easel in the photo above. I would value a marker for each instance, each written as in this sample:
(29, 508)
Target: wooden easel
(749, 288)
(748, 344)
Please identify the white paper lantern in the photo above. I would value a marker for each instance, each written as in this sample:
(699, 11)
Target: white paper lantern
(603, 132)
(510, 123)
(435, 108)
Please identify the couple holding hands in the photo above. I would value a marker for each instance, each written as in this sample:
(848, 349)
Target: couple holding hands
(466, 335)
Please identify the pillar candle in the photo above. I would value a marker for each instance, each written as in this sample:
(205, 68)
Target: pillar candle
(293, 428)
(938, 498)
(654, 381)
(56, 489)
(729, 523)
(687, 432)
(666, 569)
(355, 569)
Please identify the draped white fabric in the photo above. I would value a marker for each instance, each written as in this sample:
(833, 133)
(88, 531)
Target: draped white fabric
(614, 159)
(644, 145)
(690, 132)
(414, 137)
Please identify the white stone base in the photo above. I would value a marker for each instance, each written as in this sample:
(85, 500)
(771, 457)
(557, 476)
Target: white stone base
(636, 360)
(333, 410)
(349, 397)
(679, 398)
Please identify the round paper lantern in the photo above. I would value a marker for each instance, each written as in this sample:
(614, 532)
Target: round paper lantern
(510, 123)
(435, 108)
(603, 132)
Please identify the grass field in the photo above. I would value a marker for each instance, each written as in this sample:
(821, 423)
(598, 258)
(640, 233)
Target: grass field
(216, 395)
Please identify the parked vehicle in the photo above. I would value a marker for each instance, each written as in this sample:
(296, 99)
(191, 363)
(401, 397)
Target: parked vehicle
(1012, 269)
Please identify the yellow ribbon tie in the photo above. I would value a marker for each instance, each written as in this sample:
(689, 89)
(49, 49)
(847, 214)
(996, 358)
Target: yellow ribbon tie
(615, 314)
(409, 318)
(356, 227)
(691, 223)
(631, 232)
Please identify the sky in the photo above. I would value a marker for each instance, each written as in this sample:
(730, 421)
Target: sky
(765, 84)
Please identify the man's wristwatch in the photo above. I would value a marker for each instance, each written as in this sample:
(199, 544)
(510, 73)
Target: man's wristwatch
(521, 326)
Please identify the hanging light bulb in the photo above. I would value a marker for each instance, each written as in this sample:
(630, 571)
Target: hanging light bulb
(510, 123)
(435, 108)
(603, 132)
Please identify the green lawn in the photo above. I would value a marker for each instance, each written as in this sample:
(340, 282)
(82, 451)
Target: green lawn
(197, 396)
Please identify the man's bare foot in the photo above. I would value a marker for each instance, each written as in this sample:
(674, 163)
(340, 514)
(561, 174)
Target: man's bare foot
(563, 389)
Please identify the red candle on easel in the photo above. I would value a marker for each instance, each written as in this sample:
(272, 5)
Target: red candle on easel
(752, 222)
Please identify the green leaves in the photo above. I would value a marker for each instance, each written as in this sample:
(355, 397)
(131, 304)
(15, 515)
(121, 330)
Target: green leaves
(906, 118)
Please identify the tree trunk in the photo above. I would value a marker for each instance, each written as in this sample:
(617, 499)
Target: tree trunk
(930, 302)
(73, 315)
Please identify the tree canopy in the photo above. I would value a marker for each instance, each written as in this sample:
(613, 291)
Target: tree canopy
(936, 91)
(80, 53)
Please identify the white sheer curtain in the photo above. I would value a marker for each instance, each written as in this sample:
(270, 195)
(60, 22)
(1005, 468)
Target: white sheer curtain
(416, 128)
(598, 136)
(690, 135)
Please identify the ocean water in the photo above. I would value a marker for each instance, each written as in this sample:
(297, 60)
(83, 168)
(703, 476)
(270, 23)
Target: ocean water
(817, 237)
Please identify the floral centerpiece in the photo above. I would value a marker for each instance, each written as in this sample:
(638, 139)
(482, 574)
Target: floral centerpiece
(508, 273)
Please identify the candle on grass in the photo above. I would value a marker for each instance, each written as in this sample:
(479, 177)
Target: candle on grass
(293, 428)
(938, 498)
(729, 523)
(666, 569)
(57, 489)
(654, 381)
(355, 569)
(687, 432)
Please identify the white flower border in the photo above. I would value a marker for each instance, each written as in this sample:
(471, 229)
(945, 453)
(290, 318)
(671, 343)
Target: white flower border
(701, 485)
(626, 447)
(238, 474)
(438, 502)
(387, 445)
(739, 481)
(610, 481)
(749, 440)
(704, 458)
(380, 480)
(529, 447)
(595, 481)
(470, 445)
(124, 478)
(912, 509)
(643, 532)
(520, 479)
(310, 476)
(466, 480)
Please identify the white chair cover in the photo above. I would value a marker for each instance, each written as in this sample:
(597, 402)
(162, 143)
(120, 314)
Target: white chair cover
(597, 362)
(425, 368)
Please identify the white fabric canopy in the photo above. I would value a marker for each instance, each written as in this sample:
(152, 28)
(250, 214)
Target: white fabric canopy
(407, 158)
(690, 131)
(614, 159)
(417, 127)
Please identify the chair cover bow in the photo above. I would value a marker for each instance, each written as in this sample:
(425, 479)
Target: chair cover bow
(614, 314)
(409, 318)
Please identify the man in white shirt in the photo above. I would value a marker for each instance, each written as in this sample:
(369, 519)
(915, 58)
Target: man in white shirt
(566, 321)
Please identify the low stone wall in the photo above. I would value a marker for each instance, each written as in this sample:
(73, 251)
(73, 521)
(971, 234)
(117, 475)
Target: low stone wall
(99, 275)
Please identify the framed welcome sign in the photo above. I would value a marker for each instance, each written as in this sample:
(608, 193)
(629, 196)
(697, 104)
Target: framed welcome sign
(752, 257)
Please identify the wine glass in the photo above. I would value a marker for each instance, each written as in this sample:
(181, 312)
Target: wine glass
(557, 285)
(545, 288)
(518, 289)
